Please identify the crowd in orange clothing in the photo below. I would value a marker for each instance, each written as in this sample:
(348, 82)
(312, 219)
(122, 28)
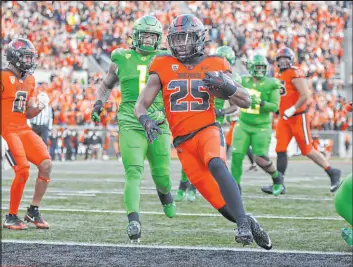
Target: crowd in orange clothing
(314, 30)
(65, 32)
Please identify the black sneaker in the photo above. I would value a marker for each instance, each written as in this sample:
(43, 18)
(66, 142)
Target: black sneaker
(335, 176)
(261, 238)
(134, 231)
(14, 223)
(243, 234)
(34, 216)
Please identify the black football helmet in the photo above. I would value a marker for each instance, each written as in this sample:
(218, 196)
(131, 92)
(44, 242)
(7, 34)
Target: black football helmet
(21, 54)
(186, 37)
(287, 53)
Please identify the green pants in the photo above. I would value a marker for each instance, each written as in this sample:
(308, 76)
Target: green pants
(134, 148)
(343, 199)
(245, 135)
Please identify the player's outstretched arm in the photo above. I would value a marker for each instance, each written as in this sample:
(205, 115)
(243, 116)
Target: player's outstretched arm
(144, 101)
(104, 91)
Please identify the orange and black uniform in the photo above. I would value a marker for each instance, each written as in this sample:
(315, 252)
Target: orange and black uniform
(190, 113)
(25, 145)
(298, 124)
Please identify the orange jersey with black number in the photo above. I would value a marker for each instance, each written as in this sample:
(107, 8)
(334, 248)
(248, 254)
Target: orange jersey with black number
(15, 93)
(188, 104)
(289, 94)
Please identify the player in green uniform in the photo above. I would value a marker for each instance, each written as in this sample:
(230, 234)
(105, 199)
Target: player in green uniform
(254, 125)
(344, 207)
(129, 67)
(185, 188)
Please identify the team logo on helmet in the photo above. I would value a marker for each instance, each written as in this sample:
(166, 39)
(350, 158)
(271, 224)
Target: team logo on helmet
(12, 79)
(18, 44)
(175, 67)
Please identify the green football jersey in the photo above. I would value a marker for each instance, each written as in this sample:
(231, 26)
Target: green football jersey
(268, 89)
(133, 75)
(219, 103)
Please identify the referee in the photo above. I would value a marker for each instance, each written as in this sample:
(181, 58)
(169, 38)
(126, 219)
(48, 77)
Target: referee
(43, 123)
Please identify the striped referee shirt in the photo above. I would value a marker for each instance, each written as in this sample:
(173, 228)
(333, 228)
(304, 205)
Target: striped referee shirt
(45, 117)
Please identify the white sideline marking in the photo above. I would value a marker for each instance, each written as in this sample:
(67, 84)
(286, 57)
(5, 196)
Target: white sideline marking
(84, 244)
(189, 214)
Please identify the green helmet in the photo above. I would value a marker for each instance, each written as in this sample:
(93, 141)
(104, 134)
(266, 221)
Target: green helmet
(257, 66)
(227, 52)
(146, 24)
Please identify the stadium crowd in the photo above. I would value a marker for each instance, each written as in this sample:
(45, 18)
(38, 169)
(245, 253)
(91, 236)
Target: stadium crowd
(64, 33)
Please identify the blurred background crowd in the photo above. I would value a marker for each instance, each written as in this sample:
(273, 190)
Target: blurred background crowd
(68, 33)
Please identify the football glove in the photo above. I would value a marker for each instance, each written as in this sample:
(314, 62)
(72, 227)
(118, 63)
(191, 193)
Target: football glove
(219, 112)
(151, 127)
(289, 112)
(218, 80)
(43, 100)
(97, 110)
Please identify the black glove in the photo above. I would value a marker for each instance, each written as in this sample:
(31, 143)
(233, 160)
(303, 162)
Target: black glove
(151, 127)
(219, 112)
(97, 110)
(219, 82)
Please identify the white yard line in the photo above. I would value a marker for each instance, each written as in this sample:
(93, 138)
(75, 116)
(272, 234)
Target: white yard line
(93, 193)
(84, 244)
(147, 179)
(187, 214)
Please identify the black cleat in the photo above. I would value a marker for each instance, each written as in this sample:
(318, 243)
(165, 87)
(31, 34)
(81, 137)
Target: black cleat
(33, 216)
(268, 189)
(14, 223)
(243, 234)
(261, 238)
(335, 176)
(134, 231)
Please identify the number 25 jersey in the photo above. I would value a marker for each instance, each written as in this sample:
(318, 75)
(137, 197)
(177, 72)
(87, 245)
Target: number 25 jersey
(15, 93)
(188, 104)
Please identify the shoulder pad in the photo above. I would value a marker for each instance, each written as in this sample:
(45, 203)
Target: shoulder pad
(276, 82)
(117, 52)
(246, 78)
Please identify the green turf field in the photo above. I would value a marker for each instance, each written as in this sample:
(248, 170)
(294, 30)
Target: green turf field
(84, 203)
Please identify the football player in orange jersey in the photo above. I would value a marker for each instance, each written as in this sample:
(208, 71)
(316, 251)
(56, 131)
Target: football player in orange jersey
(293, 120)
(18, 104)
(183, 79)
